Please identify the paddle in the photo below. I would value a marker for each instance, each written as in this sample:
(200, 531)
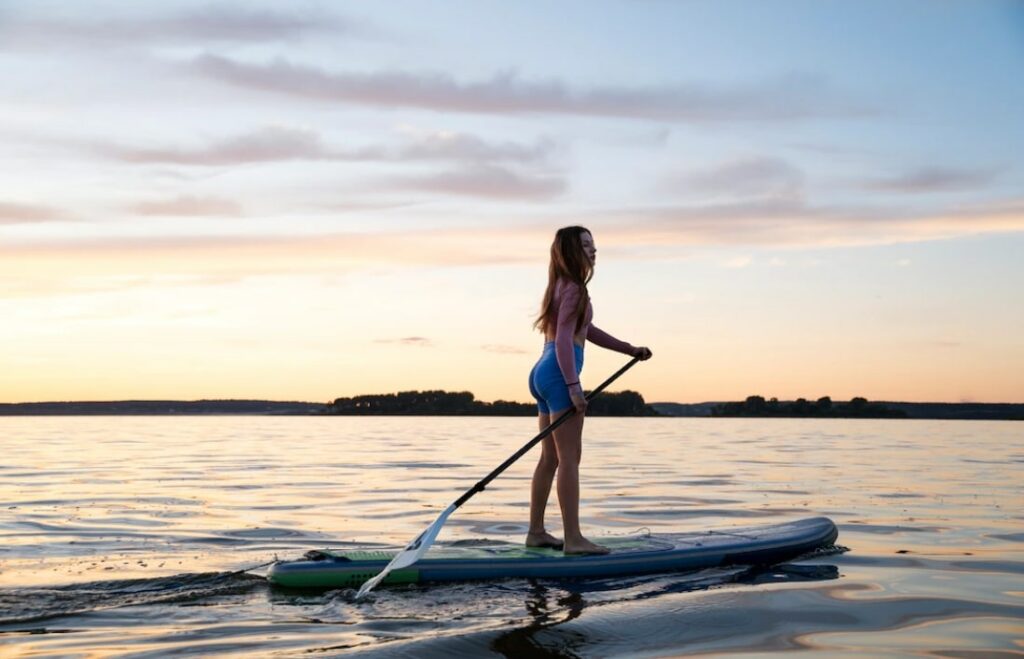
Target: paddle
(415, 549)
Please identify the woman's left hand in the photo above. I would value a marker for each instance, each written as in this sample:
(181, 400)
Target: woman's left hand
(644, 353)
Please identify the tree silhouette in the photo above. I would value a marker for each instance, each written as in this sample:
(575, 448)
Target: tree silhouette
(456, 403)
(801, 407)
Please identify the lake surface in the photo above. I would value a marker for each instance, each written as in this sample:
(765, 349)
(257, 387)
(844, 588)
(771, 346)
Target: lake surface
(127, 536)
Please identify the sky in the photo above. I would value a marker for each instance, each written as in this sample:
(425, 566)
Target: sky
(301, 201)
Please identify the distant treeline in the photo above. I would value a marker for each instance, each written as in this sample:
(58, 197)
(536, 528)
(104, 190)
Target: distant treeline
(823, 407)
(624, 403)
(160, 408)
(464, 403)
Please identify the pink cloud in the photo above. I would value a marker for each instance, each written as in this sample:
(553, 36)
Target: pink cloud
(485, 181)
(227, 24)
(19, 213)
(281, 143)
(188, 206)
(788, 98)
(934, 179)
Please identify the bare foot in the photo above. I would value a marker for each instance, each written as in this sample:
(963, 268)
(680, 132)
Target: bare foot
(543, 539)
(585, 547)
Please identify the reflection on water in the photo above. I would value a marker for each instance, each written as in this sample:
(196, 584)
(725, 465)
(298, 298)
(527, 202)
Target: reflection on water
(24, 605)
(550, 607)
(127, 535)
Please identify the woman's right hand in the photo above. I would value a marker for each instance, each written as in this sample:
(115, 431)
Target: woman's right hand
(579, 401)
(643, 353)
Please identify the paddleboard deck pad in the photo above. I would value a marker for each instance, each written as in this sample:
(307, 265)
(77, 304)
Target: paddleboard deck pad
(630, 555)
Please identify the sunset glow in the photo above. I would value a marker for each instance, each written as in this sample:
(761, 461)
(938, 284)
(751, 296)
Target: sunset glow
(232, 201)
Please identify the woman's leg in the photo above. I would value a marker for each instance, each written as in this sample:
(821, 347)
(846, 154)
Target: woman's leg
(540, 490)
(569, 447)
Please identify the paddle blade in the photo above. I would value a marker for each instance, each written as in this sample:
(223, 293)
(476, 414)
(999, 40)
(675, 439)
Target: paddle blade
(413, 552)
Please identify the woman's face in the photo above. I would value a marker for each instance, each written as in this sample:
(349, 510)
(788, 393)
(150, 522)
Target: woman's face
(588, 247)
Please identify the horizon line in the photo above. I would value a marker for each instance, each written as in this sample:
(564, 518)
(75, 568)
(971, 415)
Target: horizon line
(308, 402)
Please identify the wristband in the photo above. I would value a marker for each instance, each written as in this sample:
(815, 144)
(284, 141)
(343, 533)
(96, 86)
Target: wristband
(569, 384)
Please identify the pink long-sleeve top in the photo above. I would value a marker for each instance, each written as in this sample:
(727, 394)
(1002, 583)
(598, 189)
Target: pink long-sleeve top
(567, 297)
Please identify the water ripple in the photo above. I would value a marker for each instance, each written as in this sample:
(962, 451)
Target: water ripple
(136, 541)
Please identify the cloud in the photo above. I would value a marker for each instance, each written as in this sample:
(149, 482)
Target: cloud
(449, 145)
(834, 150)
(416, 341)
(190, 206)
(934, 179)
(280, 143)
(487, 182)
(751, 177)
(18, 213)
(479, 176)
(267, 144)
(57, 265)
(217, 24)
(44, 284)
(267, 254)
(638, 233)
(789, 98)
(363, 206)
(796, 224)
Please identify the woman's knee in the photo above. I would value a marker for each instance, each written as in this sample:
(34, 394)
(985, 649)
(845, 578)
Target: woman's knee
(548, 462)
(549, 453)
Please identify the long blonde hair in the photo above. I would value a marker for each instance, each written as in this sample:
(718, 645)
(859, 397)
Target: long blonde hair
(569, 262)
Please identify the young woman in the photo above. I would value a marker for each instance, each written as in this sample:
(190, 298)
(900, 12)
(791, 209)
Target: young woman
(565, 321)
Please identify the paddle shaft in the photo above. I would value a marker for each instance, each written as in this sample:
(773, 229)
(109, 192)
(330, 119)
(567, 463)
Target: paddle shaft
(415, 549)
(479, 487)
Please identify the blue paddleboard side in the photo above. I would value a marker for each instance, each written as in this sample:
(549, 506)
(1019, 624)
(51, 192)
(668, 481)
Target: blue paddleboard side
(762, 545)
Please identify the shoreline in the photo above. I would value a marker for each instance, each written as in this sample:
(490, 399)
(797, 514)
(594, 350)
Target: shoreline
(244, 407)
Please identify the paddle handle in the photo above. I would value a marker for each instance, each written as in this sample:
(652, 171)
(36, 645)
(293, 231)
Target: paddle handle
(479, 487)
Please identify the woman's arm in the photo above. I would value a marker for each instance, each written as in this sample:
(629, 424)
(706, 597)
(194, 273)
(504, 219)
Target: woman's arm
(598, 336)
(565, 330)
(606, 340)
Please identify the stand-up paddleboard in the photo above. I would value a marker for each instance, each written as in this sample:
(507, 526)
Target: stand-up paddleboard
(760, 545)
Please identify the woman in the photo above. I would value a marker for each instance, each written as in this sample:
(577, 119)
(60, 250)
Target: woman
(564, 320)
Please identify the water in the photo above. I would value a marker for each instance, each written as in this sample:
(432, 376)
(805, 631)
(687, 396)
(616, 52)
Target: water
(127, 536)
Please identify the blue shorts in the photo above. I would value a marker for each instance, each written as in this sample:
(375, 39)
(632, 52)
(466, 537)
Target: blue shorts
(546, 382)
